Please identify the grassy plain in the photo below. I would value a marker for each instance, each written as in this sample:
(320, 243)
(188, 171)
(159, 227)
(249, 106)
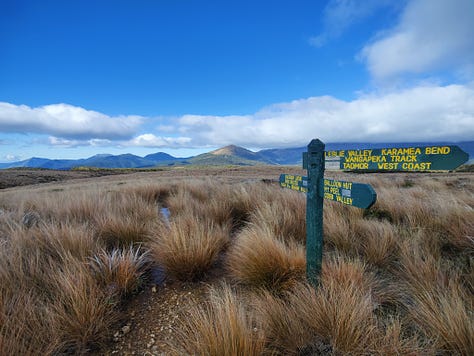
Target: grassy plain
(397, 278)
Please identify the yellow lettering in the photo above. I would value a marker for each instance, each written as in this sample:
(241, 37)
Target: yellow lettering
(409, 158)
(339, 153)
(356, 165)
(387, 166)
(424, 166)
(328, 196)
(347, 185)
(436, 150)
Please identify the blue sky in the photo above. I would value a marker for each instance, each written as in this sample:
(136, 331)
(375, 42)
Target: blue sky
(82, 77)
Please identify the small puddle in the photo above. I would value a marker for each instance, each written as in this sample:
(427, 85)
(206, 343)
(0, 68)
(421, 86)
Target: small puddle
(158, 275)
(165, 212)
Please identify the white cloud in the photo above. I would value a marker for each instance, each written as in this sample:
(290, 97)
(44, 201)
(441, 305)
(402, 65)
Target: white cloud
(425, 113)
(417, 114)
(431, 35)
(66, 121)
(63, 142)
(339, 15)
(11, 158)
(150, 140)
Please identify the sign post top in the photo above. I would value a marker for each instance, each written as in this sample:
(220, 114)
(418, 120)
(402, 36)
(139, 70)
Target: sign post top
(315, 144)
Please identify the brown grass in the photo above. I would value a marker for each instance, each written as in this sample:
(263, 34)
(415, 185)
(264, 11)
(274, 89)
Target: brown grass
(377, 241)
(82, 312)
(342, 320)
(120, 271)
(396, 279)
(285, 216)
(260, 259)
(222, 326)
(128, 220)
(447, 316)
(55, 279)
(189, 247)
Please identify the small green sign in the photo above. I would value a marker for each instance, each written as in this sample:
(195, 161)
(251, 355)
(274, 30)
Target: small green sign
(348, 193)
(295, 182)
(405, 159)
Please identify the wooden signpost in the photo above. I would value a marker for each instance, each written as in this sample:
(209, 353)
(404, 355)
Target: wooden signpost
(318, 188)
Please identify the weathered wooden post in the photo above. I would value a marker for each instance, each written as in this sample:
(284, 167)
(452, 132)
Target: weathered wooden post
(314, 163)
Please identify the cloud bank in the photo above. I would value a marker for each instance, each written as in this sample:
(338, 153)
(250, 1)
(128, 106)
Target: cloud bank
(430, 35)
(425, 113)
(429, 113)
(66, 121)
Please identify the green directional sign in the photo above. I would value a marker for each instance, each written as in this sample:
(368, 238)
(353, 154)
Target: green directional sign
(348, 193)
(405, 159)
(295, 182)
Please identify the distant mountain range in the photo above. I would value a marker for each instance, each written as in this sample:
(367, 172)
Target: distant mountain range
(229, 155)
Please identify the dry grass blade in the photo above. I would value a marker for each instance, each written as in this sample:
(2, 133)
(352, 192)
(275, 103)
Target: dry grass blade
(261, 260)
(25, 326)
(378, 241)
(120, 271)
(81, 311)
(223, 326)
(447, 316)
(331, 318)
(127, 221)
(286, 216)
(190, 247)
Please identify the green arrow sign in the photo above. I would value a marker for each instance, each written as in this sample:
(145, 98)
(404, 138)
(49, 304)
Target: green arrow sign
(298, 183)
(407, 159)
(348, 193)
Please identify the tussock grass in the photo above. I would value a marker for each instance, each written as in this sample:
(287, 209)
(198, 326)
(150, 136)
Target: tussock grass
(189, 247)
(120, 271)
(25, 327)
(445, 314)
(222, 326)
(437, 301)
(338, 318)
(338, 235)
(152, 193)
(397, 279)
(60, 290)
(377, 241)
(128, 220)
(60, 300)
(222, 204)
(285, 216)
(260, 259)
(82, 313)
(341, 318)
